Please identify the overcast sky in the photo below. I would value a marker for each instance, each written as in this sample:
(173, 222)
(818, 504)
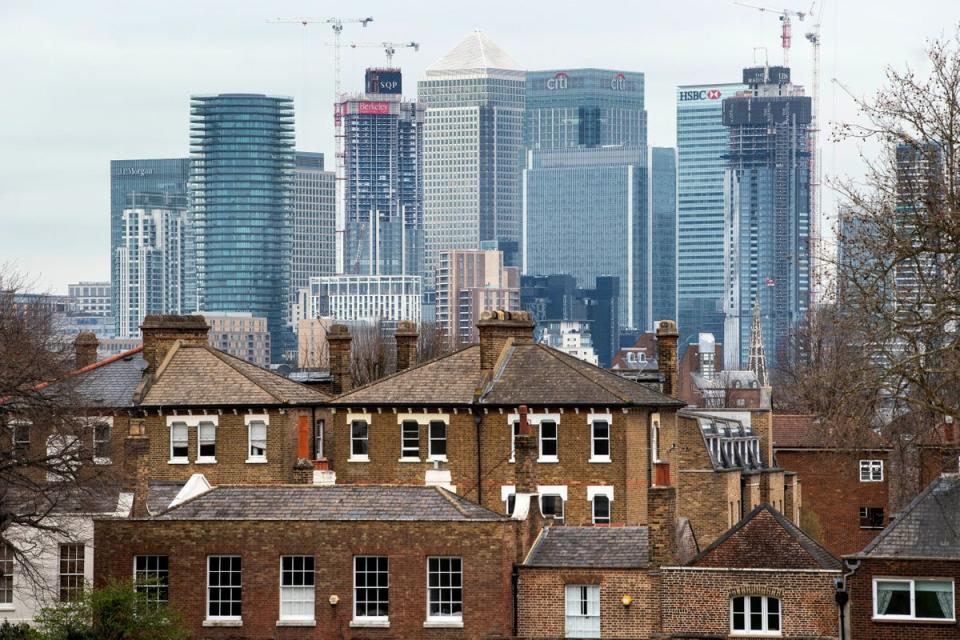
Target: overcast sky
(84, 82)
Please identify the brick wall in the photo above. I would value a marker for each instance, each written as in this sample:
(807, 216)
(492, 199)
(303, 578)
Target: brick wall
(486, 550)
(710, 500)
(231, 466)
(698, 601)
(860, 611)
(937, 459)
(540, 601)
(833, 495)
(627, 471)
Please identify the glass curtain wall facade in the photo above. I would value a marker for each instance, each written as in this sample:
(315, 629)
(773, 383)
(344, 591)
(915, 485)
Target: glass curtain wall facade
(383, 189)
(767, 216)
(663, 219)
(314, 222)
(702, 143)
(242, 194)
(611, 184)
(473, 133)
(165, 176)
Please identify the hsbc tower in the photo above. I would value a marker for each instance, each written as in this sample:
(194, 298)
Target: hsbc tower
(702, 142)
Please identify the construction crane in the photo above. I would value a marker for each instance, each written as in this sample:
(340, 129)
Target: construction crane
(337, 25)
(390, 48)
(785, 25)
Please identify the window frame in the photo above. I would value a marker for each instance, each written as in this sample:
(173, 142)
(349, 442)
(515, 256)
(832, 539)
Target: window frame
(352, 420)
(868, 469)
(592, 420)
(587, 591)
(407, 453)
(368, 620)
(158, 592)
(175, 459)
(98, 455)
(311, 588)
(215, 619)
(203, 441)
(605, 492)
(555, 457)
(7, 575)
(764, 613)
(66, 580)
(319, 426)
(250, 420)
(913, 600)
(452, 619)
(431, 456)
(19, 427)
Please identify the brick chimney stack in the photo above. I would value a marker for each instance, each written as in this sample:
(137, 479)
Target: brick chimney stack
(497, 328)
(137, 452)
(85, 349)
(406, 337)
(667, 337)
(525, 454)
(662, 525)
(160, 333)
(338, 346)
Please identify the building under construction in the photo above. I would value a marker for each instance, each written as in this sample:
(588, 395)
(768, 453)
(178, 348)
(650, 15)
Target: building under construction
(381, 142)
(766, 212)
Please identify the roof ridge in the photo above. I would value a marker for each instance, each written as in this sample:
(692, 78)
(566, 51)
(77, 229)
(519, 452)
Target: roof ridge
(892, 526)
(553, 352)
(227, 360)
(450, 499)
(405, 371)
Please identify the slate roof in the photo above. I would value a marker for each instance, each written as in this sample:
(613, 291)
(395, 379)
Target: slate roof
(109, 383)
(527, 373)
(591, 548)
(765, 539)
(198, 375)
(161, 494)
(928, 528)
(475, 52)
(94, 498)
(334, 503)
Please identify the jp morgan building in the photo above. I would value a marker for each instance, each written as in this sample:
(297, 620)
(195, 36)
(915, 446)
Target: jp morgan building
(702, 142)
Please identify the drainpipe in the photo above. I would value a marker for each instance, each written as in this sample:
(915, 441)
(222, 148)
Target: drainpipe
(514, 581)
(477, 420)
(842, 596)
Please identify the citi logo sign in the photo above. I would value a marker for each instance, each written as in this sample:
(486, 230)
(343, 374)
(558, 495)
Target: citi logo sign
(559, 81)
(618, 82)
(706, 94)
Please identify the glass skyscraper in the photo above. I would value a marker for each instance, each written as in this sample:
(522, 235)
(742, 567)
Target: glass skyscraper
(473, 133)
(314, 222)
(663, 234)
(165, 177)
(242, 196)
(382, 141)
(766, 212)
(702, 143)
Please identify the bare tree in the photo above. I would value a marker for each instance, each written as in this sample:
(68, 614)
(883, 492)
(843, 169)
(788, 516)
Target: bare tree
(431, 343)
(45, 441)
(899, 265)
(371, 356)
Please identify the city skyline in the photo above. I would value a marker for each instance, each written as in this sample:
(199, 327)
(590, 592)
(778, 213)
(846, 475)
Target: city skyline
(65, 237)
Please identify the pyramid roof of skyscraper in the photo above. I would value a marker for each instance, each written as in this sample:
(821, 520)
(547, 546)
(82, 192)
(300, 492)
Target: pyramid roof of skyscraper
(475, 53)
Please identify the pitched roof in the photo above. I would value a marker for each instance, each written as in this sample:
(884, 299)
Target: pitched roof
(197, 375)
(475, 52)
(765, 539)
(591, 548)
(928, 528)
(333, 503)
(527, 373)
(161, 493)
(110, 382)
(804, 431)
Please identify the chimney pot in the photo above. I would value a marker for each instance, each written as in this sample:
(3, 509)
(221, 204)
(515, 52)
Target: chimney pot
(85, 349)
(338, 346)
(667, 337)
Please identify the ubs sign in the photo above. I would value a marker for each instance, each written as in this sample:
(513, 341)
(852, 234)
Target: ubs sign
(703, 94)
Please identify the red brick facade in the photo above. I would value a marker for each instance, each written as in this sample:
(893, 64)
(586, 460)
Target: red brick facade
(860, 609)
(487, 551)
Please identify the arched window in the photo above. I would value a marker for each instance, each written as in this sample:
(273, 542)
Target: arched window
(755, 614)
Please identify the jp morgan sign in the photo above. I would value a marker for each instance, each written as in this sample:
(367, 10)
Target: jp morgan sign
(135, 171)
(702, 94)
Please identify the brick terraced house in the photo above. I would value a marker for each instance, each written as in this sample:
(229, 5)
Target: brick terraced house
(762, 578)
(846, 490)
(904, 583)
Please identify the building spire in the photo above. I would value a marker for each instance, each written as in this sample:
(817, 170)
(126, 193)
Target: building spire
(757, 360)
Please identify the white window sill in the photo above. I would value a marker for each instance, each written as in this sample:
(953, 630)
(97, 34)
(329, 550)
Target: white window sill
(358, 459)
(436, 458)
(223, 622)
(256, 461)
(755, 634)
(7, 607)
(909, 620)
(206, 461)
(548, 459)
(599, 459)
(296, 623)
(370, 623)
(443, 623)
(408, 459)
(102, 461)
(178, 461)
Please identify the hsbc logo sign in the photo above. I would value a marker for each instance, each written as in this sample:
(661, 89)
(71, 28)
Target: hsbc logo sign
(703, 94)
